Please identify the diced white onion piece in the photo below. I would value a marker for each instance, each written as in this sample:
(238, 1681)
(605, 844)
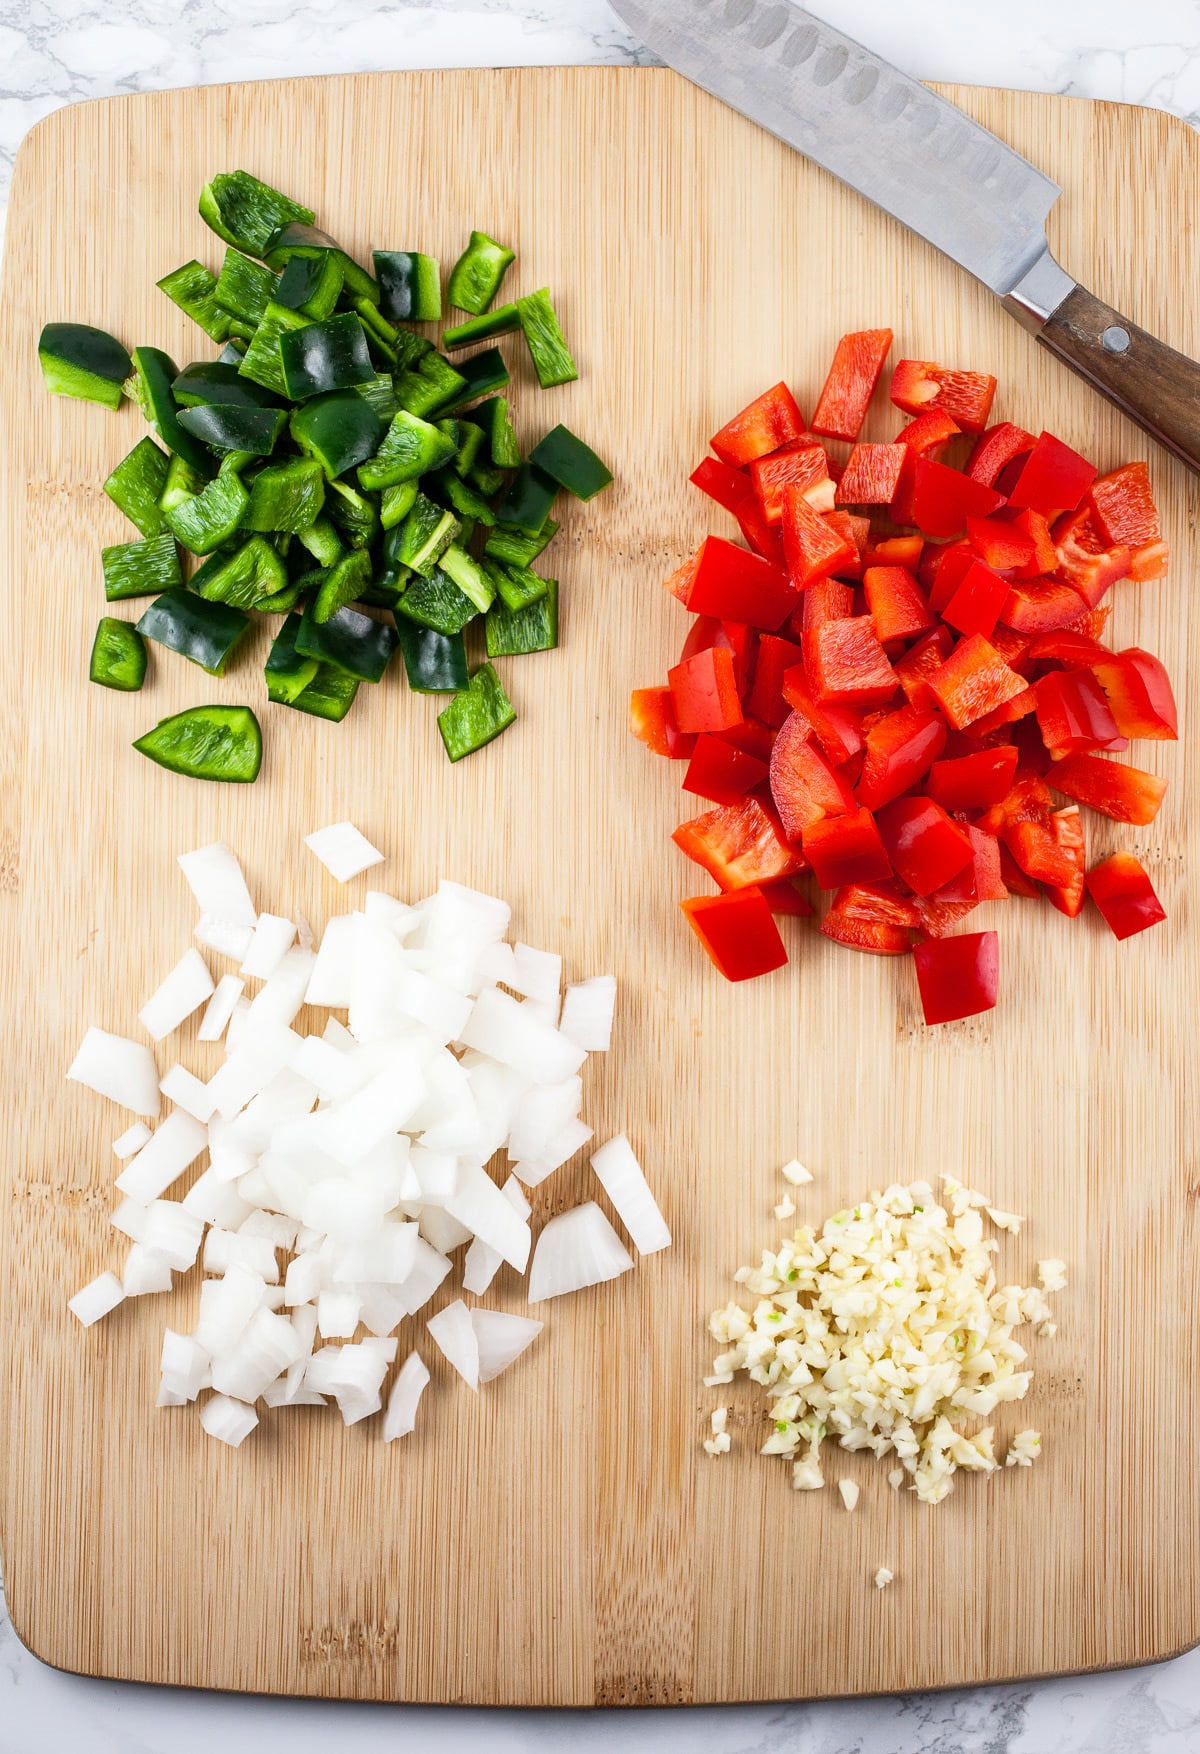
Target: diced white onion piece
(542, 1011)
(302, 1282)
(331, 1072)
(385, 910)
(265, 1350)
(501, 1339)
(357, 1125)
(97, 1298)
(423, 1281)
(227, 1307)
(497, 966)
(130, 1219)
(342, 850)
(482, 1262)
(337, 1314)
(330, 981)
(165, 1398)
(454, 1335)
(229, 1421)
(401, 1416)
(386, 1258)
(223, 937)
(503, 1029)
(237, 1024)
(215, 879)
(283, 995)
(173, 1233)
(120, 1069)
(459, 925)
(478, 1204)
(444, 1232)
(131, 1141)
(576, 1249)
(183, 991)
(228, 1248)
(184, 1364)
(250, 1068)
(286, 1098)
(171, 1149)
(541, 1115)
(535, 973)
(145, 1272)
(216, 1201)
(587, 1013)
(382, 1312)
(432, 1003)
(278, 1394)
(622, 1178)
(220, 1007)
(281, 1231)
(188, 1092)
(273, 938)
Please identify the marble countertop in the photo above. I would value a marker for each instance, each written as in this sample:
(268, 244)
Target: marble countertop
(61, 51)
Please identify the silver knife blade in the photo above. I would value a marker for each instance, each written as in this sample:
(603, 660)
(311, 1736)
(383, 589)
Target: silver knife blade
(899, 144)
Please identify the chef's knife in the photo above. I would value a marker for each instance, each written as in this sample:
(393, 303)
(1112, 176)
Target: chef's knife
(930, 166)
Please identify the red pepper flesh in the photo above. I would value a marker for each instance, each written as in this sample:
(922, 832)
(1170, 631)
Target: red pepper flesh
(871, 475)
(900, 747)
(958, 977)
(943, 500)
(1125, 895)
(995, 449)
(925, 847)
(973, 782)
(1127, 794)
(771, 420)
(974, 680)
(705, 691)
(847, 664)
(1139, 693)
(977, 601)
(1067, 826)
(897, 604)
(804, 467)
(720, 772)
(738, 844)
(847, 391)
(735, 585)
(652, 721)
(814, 547)
(803, 784)
(738, 932)
(846, 849)
(919, 385)
(1053, 478)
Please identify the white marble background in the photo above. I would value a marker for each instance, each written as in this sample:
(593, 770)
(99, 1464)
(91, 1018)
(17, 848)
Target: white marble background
(54, 52)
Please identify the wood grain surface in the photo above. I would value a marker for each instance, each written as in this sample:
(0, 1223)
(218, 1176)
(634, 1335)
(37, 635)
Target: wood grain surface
(561, 1539)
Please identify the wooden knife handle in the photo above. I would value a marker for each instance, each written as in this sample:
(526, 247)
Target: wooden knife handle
(1147, 380)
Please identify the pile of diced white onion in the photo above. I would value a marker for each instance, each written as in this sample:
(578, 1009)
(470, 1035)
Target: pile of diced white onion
(346, 1168)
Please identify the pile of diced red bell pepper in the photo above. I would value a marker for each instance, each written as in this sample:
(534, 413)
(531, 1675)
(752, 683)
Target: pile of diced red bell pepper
(888, 683)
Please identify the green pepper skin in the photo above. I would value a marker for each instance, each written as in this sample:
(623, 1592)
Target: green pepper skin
(350, 641)
(204, 520)
(339, 430)
(329, 695)
(566, 459)
(493, 417)
(325, 356)
(306, 239)
(395, 503)
(475, 716)
(516, 586)
(140, 569)
(207, 743)
(80, 361)
(504, 320)
(345, 583)
(228, 428)
(511, 548)
(481, 374)
(210, 382)
(312, 284)
(286, 497)
(263, 363)
(288, 672)
(410, 286)
(156, 373)
(136, 486)
(206, 633)
(435, 663)
(475, 278)
(118, 657)
(411, 447)
(430, 386)
(244, 287)
(526, 505)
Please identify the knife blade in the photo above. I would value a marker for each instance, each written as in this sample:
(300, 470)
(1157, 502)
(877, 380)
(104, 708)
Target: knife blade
(932, 167)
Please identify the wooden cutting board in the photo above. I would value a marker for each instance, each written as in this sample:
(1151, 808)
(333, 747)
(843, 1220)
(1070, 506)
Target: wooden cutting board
(562, 1539)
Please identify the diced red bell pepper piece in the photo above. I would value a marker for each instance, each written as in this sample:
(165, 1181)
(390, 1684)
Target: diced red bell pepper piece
(854, 530)
(943, 499)
(732, 489)
(786, 898)
(950, 566)
(1068, 831)
(1035, 846)
(995, 449)
(814, 547)
(980, 879)
(741, 640)
(1092, 622)
(1127, 794)
(1012, 646)
(1027, 800)
(898, 606)
(804, 467)
(974, 680)
(999, 543)
(705, 691)
(894, 551)
(1122, 504)
(846, 849)
(1065, 650)
(1040, 605)
(958, 977)
(652, 721)
(771, 420)
(1073, 712)
(752, 736)
(977, 601)
(973, 782)
(847, 665)
(939, 918)
(1006, 714)
(1123, 892)
(926, 436)
(1033, 526)
(914, 669)
(1139, 692)
(925, 847)
(918, 385)
(1053, 479)
(900, 748)
(1015, 879)
(775, 658)
(803, 784)
(836, 729)
(826, 600)
(720, 772)
(871, 475)
(847, 391)
(738, 844)
(738, 931)
(1092, 575)
(1148, 561)
(735, 585)
(680, 581)
(872, 917)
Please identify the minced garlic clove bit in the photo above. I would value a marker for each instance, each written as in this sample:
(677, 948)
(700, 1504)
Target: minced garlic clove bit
(796, 1173)
(1025, 1447)
(883, 1577)
(849, 1492)
(786, 1207)
(1011, 1221)
(1052, 1275)
(895, 1478)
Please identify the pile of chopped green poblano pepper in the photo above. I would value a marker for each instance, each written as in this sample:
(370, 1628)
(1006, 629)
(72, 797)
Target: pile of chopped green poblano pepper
(329, 456)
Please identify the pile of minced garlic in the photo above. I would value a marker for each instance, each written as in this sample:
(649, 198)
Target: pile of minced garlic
(888, 1332)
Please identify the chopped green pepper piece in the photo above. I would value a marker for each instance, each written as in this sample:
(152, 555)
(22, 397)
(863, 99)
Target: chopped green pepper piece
(350, 641)
(136, 484)
(381, 394)
(281, 602)
(309, 240)
(288, 672)
(504, 320)
(475, 278)
(574, 465)
(80, 361)
(531, 629)
(286, 496)
(526, 505)
(232, 353)
(325, 356)
(547, 344)
(476, 715)
(204, 520)
(312, 285)
(514, 549)
(194, 289)
(396, 503)
(264, 360)
(425, 535)
(329, 695)
(210, 382)
(435, 663)
(516, 586)
(343, 583)
(429, 385)
(469, 576)
(246, 212)
(410, 286)
(411, 349)
(205, 633)
(118, 656)
(140, 569)
(485, 480)
(470, 443)
(356, 516)
(207, 743)
(462, 497)
(410, 448)
(382, 337)
(338, 430)
(182, 483)
(226, 427)
(155, 375)
(482, 373)
(245, 288)
(322, 541)
(493, 417)
(243, 577)
(437, 602)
